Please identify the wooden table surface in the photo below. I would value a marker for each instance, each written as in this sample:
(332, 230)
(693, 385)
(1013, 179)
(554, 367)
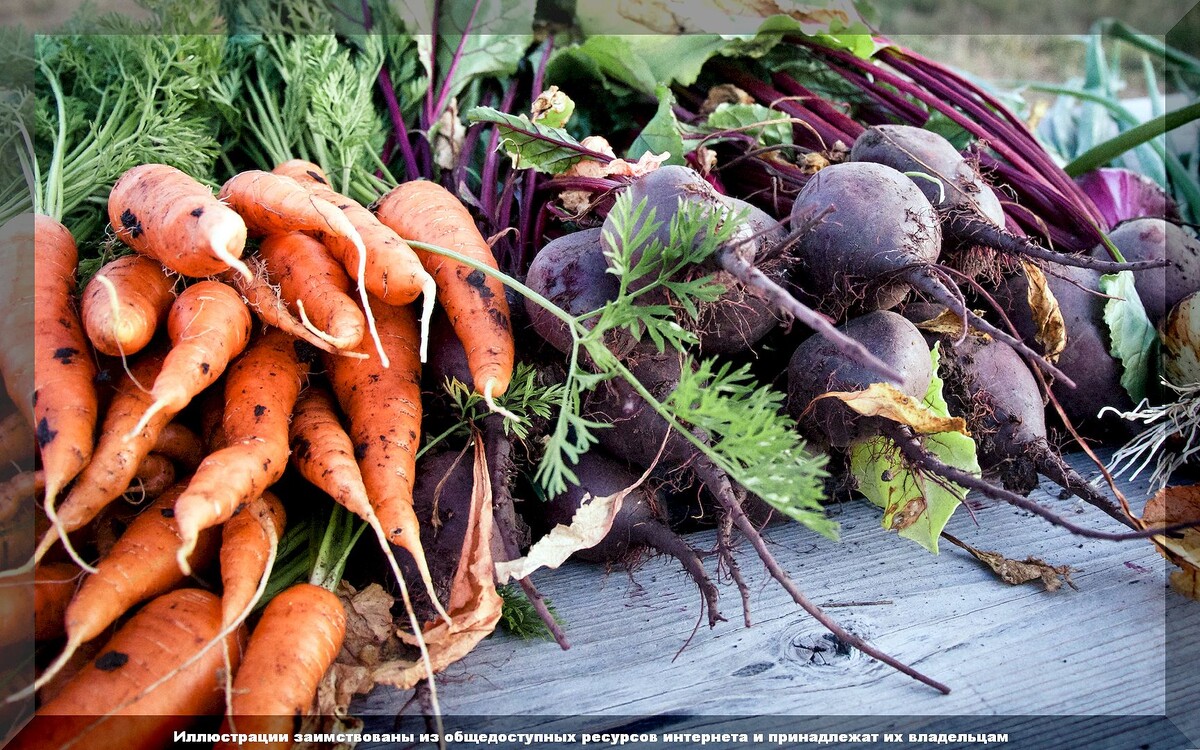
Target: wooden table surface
(1004, 650)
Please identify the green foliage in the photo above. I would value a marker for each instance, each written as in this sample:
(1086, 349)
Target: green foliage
(532, 145)
(114, 93)
(525, 397)
(752, 439)
(917, 505)
(490, 38)
(662, 134)
(1132, 334)
(518, 616)
(769, 126)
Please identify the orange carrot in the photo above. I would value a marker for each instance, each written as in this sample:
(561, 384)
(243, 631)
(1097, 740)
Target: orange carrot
(181, 445)
(266, 303)
(125, 303)
(16, 441)
(82, 657)
(54, 585)
(316, 286)
(154, 475)
(324, 455)
(391, 271)
(17, 610)
(19, 248)
(384, 411)
(65, 404)
(260, 392)
(116, 459)
(426, 212)
(107, 706)
(209, 325)
(163, 213)
(247, 543)
(15, 490)
(291, 648)
(142, 564)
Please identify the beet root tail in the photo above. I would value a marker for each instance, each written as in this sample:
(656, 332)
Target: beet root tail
(976, 231)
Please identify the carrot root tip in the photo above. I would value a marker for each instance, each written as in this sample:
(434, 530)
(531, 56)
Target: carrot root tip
(491, 402)
(61, 531)
(155, 408)
(428, 297)
(223, 237)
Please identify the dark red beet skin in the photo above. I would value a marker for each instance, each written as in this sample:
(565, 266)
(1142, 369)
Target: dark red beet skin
(817, 368)
(1155, 239)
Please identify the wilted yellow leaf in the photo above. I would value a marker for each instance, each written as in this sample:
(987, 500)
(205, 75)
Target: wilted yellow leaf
(887, 401)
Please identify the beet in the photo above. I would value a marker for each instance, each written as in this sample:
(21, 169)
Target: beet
(1157, 239)
(1086, 359)
(987, 383)
(572, 272)
(638, 524)
(816, 369)
(749, 261)
(969, 210)
(867, 234)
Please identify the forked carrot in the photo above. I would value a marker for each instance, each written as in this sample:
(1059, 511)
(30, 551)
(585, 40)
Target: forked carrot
(392, 272)
(125, 303)
(423, 211)
(142, 564)
(248, 541)
(208, 325)
(106, 706)
(167, 215)
(260, 392)
(276, 204)
(324, 455)
(272, 310)
(316, 286)
(291, 648)
(65, 404)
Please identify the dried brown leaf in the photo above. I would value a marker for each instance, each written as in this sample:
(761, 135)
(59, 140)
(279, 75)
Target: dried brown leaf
(1172, 505)
(887, 401)
(1016, 572)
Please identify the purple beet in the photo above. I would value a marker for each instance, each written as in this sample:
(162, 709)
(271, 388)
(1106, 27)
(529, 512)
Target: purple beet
(970, 212)
(1155, 239)
(638, 524)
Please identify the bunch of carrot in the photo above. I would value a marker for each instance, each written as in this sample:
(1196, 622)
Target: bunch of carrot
(209, 411)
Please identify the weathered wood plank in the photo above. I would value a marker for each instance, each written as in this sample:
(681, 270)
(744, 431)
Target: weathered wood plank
(1004, 650)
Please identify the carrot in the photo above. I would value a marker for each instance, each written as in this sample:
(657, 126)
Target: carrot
(313, 283)
(65, 404)
(391, 272)
(266, 303)
(141, 565)
(208, 325)
(260, 392)
(125, 303)
(154, 475)
(14, 491)
(248, 541)
(384, 411)
(54, 585)
(293, 645)
(17, 597)
(276, 204)
(82, 657)
(323, 454)
(181, 445)
(16, 441)
(107, 705)
(116, 459)
(17, 243)
(423, 211)
(164, 214)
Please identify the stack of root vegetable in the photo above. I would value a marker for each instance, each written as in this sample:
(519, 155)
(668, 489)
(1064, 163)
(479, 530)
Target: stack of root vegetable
(200, 425)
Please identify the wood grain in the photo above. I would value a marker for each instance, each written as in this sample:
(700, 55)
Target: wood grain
(1004, 650)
